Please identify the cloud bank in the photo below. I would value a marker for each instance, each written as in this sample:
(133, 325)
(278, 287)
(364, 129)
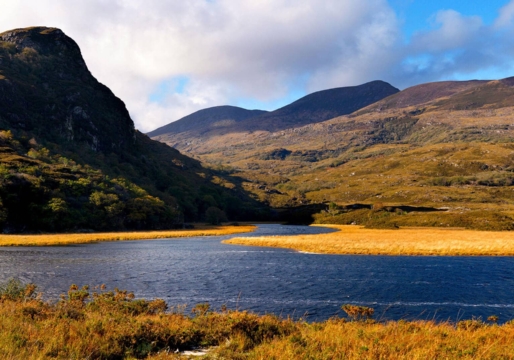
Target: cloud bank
(166, 59)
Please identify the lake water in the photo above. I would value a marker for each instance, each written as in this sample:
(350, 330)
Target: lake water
(265, 280)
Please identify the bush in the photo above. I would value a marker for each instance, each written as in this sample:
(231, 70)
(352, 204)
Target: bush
(215, 216)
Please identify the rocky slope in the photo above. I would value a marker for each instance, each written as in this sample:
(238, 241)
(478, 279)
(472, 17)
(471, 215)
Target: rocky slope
(68, 141)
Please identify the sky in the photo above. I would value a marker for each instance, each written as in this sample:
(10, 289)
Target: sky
(168, 58)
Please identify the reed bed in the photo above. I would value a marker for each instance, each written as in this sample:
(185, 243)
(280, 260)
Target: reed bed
(101, 324)
(356, 240)
(83, 238)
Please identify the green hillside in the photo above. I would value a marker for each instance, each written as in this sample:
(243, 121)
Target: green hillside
(72, 158)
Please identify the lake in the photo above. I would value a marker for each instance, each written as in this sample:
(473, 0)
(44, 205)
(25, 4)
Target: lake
(265, 280)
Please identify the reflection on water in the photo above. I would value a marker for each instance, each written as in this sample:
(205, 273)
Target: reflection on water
(284, 282)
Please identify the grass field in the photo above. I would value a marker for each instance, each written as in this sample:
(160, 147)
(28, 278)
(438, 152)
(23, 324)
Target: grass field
(356, 240)
(99, 324)
(67, 239)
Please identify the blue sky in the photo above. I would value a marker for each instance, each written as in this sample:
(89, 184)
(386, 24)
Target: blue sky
(415, 15)
(167, 58)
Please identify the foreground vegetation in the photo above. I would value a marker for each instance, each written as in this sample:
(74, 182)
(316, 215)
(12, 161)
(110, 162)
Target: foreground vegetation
(68, 239)
(356, 240)
(102, 324)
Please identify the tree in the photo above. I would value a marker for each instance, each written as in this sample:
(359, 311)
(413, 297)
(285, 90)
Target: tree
(215, 216)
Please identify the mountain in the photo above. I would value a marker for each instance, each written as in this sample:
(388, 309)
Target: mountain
(320, 106)
(436, 154)
(70, 157)
(206, 119)
(313, 108)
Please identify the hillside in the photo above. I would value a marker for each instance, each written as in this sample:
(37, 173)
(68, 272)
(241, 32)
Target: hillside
(438, 154)
(313, 108)
(70, 150)
(206, 119)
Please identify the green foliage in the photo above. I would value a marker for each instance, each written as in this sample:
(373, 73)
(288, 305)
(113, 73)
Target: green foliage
(14, 289)
(215, 216)
(65, 136)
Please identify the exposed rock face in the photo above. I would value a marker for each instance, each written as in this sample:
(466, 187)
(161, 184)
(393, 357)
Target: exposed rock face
(46, 87)
(70, 138)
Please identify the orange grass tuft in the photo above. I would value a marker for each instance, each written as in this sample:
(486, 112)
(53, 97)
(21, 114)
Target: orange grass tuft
(67, 239)
(99, 324)
(355, 240)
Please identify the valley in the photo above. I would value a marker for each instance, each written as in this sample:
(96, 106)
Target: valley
(440, 146)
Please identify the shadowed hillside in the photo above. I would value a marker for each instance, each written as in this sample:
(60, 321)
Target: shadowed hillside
(70, 150)
(207, 119)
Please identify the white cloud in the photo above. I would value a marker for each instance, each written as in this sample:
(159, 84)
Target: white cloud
(230, 49)
(452, 31)
(506, 16)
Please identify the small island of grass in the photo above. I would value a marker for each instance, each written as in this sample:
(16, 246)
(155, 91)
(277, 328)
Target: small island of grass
(356, 240)
(83, 238)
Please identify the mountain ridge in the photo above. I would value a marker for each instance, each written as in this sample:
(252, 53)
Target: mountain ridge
(217, 116)
(439, 153)
(312, 108)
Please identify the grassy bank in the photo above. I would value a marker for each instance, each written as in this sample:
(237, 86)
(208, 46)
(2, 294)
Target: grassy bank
(356, 240)
(99, 324)
(68, 239)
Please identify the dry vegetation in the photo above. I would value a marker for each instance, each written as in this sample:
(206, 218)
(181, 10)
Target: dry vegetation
(412, 241)
(100, 324)
(67, 239)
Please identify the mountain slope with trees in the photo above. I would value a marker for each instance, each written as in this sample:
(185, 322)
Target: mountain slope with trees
(69, 151)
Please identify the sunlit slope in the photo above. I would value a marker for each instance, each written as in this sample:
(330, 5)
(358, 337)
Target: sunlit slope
(209, 133)
(440, 145)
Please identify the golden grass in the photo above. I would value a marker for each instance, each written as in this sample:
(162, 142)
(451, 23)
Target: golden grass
(113, 325)
(67, 239)
(356, 240)
(392, 340)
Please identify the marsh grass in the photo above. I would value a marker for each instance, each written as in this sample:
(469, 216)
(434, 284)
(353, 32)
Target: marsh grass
(68, 239)
(351, 239)
(101, 324)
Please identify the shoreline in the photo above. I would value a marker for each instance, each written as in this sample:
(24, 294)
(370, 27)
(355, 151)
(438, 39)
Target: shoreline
(87, 238)
(356, 240)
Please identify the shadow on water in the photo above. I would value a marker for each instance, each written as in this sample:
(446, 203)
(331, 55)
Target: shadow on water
(284, 282)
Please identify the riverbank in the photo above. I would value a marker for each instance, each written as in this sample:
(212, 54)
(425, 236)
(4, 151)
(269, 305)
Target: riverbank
(356, 240)
(95, 323)
(83, 238)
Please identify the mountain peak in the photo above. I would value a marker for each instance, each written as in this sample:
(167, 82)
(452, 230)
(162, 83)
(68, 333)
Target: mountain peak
(45, 40)
(46, 76)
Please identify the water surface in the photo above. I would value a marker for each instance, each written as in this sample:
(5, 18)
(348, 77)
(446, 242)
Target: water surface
(284, 282)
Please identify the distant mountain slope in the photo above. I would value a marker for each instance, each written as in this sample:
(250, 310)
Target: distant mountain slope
(206, 119)
(320, 106)
(437, 154)
(69, 150)
(422, 94)
(313, 108)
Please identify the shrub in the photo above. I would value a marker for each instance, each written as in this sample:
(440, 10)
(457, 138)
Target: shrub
(358, 313)
(215, 216)
(14, 289)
